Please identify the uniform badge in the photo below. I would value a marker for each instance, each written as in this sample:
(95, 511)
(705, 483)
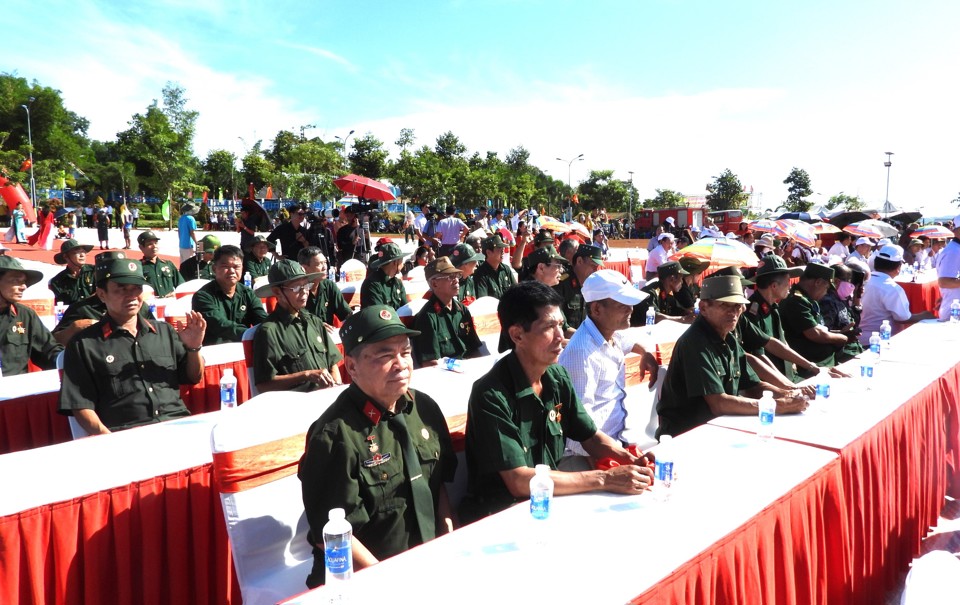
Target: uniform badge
(110, 359)
(386, 315)
(425, 433)
(320, 339)
(243, 307)
(377, 460)
(552, 415)
(132, 266)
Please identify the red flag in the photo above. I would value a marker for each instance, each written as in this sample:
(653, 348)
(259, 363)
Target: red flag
(269, 192)
(204, 197)
(25, 166)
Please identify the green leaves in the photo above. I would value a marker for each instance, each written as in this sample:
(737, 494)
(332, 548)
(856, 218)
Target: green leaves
(726, 192)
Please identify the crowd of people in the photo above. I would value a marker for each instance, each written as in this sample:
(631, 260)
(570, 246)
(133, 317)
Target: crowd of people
(557, 395)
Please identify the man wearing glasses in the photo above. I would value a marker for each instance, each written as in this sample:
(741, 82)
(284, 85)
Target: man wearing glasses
(445, 324)
(292, 349)
(291, 234)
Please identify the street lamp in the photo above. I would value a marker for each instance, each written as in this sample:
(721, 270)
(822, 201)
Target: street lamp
(630, 213)
(33, 183)
(344, 142)
(888, 163)
(569, 169)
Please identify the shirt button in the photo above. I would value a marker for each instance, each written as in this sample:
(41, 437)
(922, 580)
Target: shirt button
(150, 389)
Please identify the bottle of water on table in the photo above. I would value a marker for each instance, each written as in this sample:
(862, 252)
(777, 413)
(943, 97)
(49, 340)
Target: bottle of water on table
(248, 280)
(767, 410)
(955, 312)
(541, 501)
(228, 390)
(869, 360)
(337, 551)
(651, 318)
(885, 332)
(58, 310)
(664, 471)
(452, 364)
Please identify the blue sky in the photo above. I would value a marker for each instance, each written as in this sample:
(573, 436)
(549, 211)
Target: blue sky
(675, 91)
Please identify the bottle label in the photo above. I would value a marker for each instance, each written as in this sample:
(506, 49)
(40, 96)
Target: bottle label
(866, 371)
(540, 505)
(664, 471)
(823, 390)
(875, 348)
(338, 559)
(766, 417)
(227, 394)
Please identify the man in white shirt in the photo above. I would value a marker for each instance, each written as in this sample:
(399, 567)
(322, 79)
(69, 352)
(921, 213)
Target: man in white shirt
(948, 272)
(933, 255)
(594, 357)
(861, 249)
(659, 255)
(420, 222)
(840, 248)
(451, 230)
(883, 298)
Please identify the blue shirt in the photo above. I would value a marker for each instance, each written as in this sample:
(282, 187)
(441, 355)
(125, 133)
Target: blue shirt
(186, 225)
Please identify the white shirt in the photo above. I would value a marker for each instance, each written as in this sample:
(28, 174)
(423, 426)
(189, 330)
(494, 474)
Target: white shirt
(839, 250)
(449, 230)
(420, 223)
(656, 258)
(948, 265)
(882, 299)
(598, 371)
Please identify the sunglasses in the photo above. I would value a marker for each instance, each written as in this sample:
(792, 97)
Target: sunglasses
(297, 289)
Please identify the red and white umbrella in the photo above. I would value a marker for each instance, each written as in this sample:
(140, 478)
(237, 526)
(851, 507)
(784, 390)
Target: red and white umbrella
(719, 252)
(764, 225)
(933, 232)
(797, 231)
(821, 228)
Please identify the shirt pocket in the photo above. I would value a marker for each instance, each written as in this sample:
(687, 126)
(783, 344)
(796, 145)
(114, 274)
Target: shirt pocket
(428, 451)
(293, 360)
(383, 484)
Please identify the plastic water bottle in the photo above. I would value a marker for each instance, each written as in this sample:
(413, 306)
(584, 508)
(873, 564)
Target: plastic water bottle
(541, 493)
(247, 280)
(152, 307)
(696, 307)
(885, 332)
(823, 390)
(337, 550)
(869, 359)
(767, 411)
(343, 276)
(58, 310)
(454, 365)
(664, 472)
(651, 319)
(875, 345)
(955, 312)
(916, 269)
(228, 390)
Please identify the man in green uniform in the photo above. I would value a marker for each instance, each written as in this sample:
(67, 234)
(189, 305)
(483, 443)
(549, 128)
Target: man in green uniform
(202, 267)
(75, 282)
(662, 298)
(381, 451)
(162, 275)
(586, 261)
(522, 411)
(708, 375)
(689, 291)
(492, 277)
(445, 324)
(465, 258)
(292, 350)
(228, 306)
(23, 337)
(802, 323)
(383, 284)
(256, 261)
(126, 371)
(326, 300)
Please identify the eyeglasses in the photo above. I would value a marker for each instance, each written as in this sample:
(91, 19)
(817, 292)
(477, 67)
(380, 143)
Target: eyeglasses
(446, 278)
(297, 289)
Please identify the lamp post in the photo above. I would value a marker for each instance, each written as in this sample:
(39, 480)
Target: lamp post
(344, 142)
(888, 163)
(33, 183)
(569, 170)
(630, 211)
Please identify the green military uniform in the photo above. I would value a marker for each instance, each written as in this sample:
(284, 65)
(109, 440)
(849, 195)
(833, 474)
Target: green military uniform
(127, 380)
(702, 364)
(573, 307)
(759, 323)
(444, 332)
(285, 344)
(68, 289)
(23, 338)
(194, 268)
(468, 290)
(90, 307)
(328, 302)
(509, 427)
(799, 313)
(378, 289)
(256, 268)
(227, 318)
(162, 275)
(492, 282)
(662, 302)
(353, 460)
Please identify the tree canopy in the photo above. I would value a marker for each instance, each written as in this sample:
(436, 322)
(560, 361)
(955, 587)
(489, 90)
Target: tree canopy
(799, 188)
(726, 192)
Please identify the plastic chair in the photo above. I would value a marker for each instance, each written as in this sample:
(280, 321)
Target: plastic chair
(641, 405)
(934, 579)
(486, 321)
(407, 312)
(76, 431)
(417, 274)
(189, 287)
(353, 270)
(247, 341)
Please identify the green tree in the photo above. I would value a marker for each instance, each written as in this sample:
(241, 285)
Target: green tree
(406, 139)
(220, 172)
(846, 202)
(726, 192)
(368, 157)
(283, 145)
(601, 190)
(449, 147)
(799, 188)
(665, 198)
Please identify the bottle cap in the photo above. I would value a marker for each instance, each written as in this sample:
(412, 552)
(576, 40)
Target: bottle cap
(336, 514)
(665, 439)
(228, 371)
(768, 394)
(541, 469)
(874, 333)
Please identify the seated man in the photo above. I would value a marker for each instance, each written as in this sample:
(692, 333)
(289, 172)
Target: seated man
(75, 282)
(326, 300)
(803, 324)
(256, 262)
(493, 277)
(162, 275)
(586, 260)
(126, 371)
(381, 451)
(522, 411)
(883, 298)
(228, 306)
(23, 337)
(708, 375)
(383, 284)
(663, 298)
(292, 351)
(445, 324)
(595, 356)
(202, 267)
(465, 258)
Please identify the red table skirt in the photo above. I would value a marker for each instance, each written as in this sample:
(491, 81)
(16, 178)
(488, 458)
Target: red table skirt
(205, 395)
(923, 296)
(158, 541)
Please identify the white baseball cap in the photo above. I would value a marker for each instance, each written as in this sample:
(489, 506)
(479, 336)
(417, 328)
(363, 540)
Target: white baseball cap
(884, 242)
(695, 229)
(891, 253)
(732, 235)
(669, 219)
(956, 222)
(607, 283)
(864, 240)
(663, 236)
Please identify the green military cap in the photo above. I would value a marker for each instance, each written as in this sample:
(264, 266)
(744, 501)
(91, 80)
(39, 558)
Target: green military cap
(463, 254)
(492, 242)
(9, 263)
(724, 288)
(693, 265)
(594, 253)
(372, 324)
(105, 258)
(210, 243)
(544, 255)
(123, 271)
(386, 254)
(734, 272)
(71, 244)
(261, 239)
(771, 264)
(147, 236)
(543, 236)
(440, 266)
(817, 271)
(670, 268)
(283, 271)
